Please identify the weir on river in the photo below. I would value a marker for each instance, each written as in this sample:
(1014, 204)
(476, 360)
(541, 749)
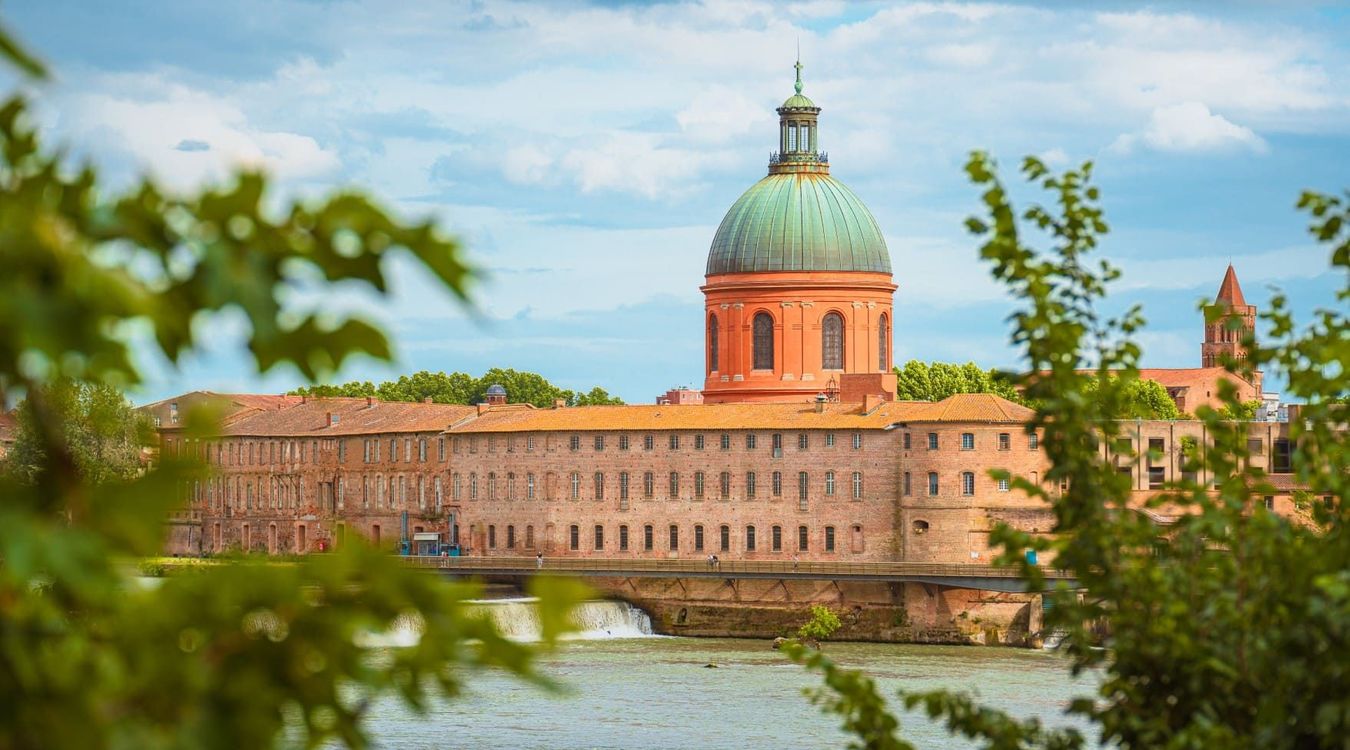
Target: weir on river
(518, 619)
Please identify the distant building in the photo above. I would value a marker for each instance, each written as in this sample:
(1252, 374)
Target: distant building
(9, 431)
(680, 395)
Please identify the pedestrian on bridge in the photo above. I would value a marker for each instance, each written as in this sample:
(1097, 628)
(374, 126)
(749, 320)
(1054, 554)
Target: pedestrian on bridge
(539, 561)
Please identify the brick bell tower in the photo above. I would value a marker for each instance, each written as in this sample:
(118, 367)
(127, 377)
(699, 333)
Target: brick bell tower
(799, 294)
(1222, 339)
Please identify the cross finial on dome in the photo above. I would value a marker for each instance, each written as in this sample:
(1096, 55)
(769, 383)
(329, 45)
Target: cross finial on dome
(798, 66)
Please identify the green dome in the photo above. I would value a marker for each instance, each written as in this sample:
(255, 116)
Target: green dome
(797, 101)
(798, 221)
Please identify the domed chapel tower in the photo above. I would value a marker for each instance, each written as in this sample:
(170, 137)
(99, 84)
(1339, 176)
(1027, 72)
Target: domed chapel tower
(799, 292)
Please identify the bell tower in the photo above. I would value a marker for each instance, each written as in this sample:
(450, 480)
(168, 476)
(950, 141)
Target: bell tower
(1224, 337)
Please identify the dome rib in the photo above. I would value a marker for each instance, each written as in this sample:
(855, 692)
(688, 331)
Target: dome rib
(798, 222)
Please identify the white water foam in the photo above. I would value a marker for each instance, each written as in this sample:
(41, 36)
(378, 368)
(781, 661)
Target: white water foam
(518, 619)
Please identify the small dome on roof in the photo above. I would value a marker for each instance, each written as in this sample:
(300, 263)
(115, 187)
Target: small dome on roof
(798, 101)
(496, 390)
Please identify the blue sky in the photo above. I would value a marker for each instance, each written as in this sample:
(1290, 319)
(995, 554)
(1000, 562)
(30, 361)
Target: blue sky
(585, 153)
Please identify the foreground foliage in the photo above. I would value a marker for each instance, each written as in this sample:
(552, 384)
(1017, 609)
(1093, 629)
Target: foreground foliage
(1231, 627)
(229, 656)
(463, 388)
(103, 434)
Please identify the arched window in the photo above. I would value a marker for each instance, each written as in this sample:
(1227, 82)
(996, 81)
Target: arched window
(713, 364)
(883, 343)
(763, 341)
(832, 342)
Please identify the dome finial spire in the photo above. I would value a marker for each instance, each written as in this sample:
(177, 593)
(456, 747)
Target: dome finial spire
(798, 66)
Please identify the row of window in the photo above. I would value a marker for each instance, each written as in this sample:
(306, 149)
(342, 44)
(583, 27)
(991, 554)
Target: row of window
(371, 450)
(968, 441)
(242, 494)
(831, 342)
(749, 538)
(596, 486)
(967, 479)
(598, 442)
(251, 452)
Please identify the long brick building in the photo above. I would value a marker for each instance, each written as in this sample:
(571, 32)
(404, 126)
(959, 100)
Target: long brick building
(796, 448)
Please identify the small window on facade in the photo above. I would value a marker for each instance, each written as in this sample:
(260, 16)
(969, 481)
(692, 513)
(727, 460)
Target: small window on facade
(574, 537)
(749, 538)
(1003, 485)
(725, 541)
(932, 441)
(510, 537)
(674, 484)
(574, 442)
(967, 483)
(623, 538)
(1280, 462)
(648, 442)
(725, 483)
(829, 440)
(803, 538)
(920, 528)
(698, 442)
(857, 485)
(648, 484)
(829, 538)
(1033, 442)
(698, 537)
(1004, 441)
(829, 484)
(932, 483)
(623, 442)
(1270, 503)
(883, 343)
(1157, 475)
(674, 442)
(726, 441)
(698, 484)
(778, 484)
(492, 537)
(576, 485)
(857, 441)
(599, 442)
(599, 537)
(778, 445)
(750, 442)
(907, 488)
(967, 441)
(599, 486)
(674, 538)
(648, 538)
(529, 486)
(623, 487)
(803, 441)
(1255, 446)
(906, 441)
(750, 484)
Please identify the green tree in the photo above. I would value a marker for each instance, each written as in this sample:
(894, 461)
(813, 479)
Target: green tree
(230, 656)
(820, 627)
(1139, 398)
(462, 388)
(1231, 629)
(925, 381)
(104, 435)
(596, 396)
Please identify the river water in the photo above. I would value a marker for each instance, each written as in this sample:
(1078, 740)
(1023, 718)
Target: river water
(629, 690)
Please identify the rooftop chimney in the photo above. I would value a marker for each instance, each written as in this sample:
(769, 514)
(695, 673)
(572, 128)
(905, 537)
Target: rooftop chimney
(820, 402)
(331, 420)
(559, 403)
(370, 402)
(426, 399)
(483, 408)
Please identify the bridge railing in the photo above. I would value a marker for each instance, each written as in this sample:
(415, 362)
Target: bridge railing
(637, 566)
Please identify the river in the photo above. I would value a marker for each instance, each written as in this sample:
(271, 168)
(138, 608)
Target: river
(627, 690)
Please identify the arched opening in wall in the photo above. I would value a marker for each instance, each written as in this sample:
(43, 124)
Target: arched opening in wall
(246, 538)
(301, 539)
(713, 364)
(919, 527)
(832, 342)
(883, 343)
(375, 535)
(856, 539)
(215, 536)
(271, 539)
(763, 341)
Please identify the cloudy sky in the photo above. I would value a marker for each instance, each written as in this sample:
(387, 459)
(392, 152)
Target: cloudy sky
(585, 153)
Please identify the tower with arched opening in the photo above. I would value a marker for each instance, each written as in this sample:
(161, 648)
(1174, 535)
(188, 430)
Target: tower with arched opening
(799, 290)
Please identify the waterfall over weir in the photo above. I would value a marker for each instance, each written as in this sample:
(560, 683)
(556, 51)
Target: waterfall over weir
(518, 619)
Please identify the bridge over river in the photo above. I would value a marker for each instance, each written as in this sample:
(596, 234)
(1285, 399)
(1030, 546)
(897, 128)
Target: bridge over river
(977, 577)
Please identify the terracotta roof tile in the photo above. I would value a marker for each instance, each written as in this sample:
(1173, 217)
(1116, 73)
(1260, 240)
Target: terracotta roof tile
(974, 407)
(785, 416)
(354, 416)
(1230, 291)
(1192, 377)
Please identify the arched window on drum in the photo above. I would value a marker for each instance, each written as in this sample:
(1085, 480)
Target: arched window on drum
(883, 342)
(713, 364)
(832, 342)
(763, 341)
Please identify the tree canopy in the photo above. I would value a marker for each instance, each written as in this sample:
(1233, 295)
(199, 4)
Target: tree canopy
(933, 381)
(1230, 628)
(230, 656)
(462, 388)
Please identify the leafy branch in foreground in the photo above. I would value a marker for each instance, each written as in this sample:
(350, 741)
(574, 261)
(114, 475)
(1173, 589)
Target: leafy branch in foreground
(1230, 628)
(226, 656)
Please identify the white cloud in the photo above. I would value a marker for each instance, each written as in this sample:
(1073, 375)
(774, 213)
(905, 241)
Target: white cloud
(719, 113)
(634, 163)
(527, 165)
(1190, 126)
